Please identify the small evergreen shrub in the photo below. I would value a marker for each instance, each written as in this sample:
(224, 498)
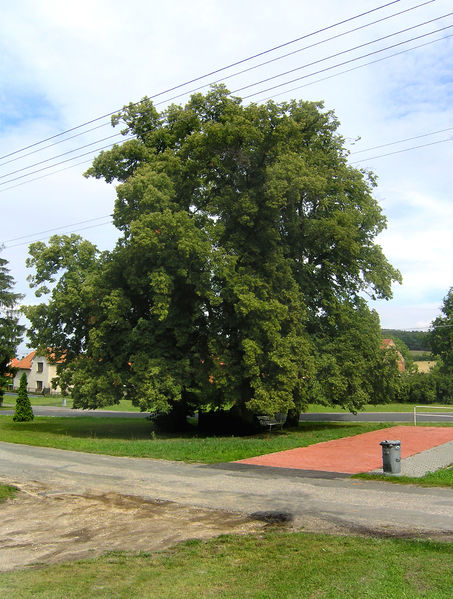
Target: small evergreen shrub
(23, 412)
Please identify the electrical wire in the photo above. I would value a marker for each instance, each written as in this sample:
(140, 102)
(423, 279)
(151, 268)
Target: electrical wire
(343, 63)
(55, 143)
(261, 91)
(392, 143)
(195, 89)
(336, 54)
(60, 155)
(433, 143)
(216, 71)
(360, 66)
(64, 161)
(109, 215)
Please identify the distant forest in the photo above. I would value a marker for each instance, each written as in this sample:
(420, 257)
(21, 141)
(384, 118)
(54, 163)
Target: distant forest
(415, 340)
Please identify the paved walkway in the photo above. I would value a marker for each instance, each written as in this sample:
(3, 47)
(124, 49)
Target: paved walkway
(422, 449)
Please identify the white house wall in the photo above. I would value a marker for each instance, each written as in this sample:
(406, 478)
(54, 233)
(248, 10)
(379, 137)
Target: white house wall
(38, 381)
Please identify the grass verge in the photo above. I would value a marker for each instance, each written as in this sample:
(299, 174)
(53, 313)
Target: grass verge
(440, 478)
(136, 438)
(386, 407)
(275, 564)
(57, 401)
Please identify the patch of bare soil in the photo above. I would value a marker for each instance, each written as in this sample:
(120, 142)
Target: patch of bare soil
(44, 526)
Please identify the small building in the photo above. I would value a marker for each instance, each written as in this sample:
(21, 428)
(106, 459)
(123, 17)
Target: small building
(39, 371)
(389, 343)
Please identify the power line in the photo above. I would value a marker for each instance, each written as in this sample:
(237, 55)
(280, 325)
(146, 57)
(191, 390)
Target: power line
(64, 161)
(343, 63)
(400, 141)
(195, 89)
(60, 155)
(55, 144)
(82, 222)
(199, 78)
(109, 215)
(433, 143)
(328, 68)
(253, 84)
(7, 247)
(360, 66)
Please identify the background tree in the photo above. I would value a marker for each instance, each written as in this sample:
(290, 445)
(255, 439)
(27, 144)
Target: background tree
(441, 335)
(246, 244)
(10, 329)
(414, 340)
(23, 411)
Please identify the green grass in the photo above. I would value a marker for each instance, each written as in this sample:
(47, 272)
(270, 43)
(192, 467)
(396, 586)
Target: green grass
(135, 438)
(389, 407)
(6, 492)
(275, 564)
(53, 400)
(440, 478)
(126, 406)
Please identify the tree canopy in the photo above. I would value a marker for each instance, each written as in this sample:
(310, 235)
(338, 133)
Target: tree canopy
(246, 245)
(441, 334)
(10, 330)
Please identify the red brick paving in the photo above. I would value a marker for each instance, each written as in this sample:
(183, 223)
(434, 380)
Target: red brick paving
(360, 453)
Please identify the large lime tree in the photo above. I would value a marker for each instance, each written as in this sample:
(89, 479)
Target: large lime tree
(246, 245)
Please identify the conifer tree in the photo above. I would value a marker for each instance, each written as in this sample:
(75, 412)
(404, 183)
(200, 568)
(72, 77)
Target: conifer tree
(23, 412)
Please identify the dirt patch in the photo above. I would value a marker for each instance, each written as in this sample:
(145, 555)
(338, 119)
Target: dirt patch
(44, 526)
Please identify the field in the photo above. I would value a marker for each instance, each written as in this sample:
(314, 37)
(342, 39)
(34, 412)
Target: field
(274, 564)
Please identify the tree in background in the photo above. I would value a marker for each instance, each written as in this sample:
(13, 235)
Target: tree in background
(441, 335)
(414, 340)
(246, 244)
(10, 329)
(23, 411)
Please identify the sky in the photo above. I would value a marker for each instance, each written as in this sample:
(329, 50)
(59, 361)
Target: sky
(63, 64)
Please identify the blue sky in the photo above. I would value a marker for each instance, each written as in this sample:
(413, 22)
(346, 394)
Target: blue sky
(62, 64)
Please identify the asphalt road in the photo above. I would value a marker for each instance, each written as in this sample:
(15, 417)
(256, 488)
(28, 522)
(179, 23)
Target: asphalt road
(311, 417)
(335, 504)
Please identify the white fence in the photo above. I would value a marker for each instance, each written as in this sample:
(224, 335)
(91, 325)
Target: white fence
(450, 415)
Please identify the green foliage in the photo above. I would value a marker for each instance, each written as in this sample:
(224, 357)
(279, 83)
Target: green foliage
(402, 348)
(10, 329)
(435, 386)
(247, 241)
(441, 334)
(23, 411)
(274, 563)
(414, 340)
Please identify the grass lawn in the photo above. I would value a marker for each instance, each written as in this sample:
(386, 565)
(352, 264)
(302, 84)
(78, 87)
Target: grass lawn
(135, 438)
(6, 491)
(52, 400)
(275, 564)
(389, 407)
(440, 478)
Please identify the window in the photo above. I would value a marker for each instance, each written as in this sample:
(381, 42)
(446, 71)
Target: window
(40, 366)
(38, 385)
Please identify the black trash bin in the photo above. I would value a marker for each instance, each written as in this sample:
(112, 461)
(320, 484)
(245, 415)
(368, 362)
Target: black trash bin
(391, 457)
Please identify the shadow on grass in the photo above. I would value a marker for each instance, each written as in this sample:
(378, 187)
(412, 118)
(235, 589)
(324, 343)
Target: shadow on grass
(126, 428)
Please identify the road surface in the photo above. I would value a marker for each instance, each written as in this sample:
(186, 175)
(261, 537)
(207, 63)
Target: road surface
(335, 504)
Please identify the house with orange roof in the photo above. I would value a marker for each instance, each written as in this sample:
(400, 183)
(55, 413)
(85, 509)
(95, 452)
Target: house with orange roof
(39, 372)
(389, 343)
